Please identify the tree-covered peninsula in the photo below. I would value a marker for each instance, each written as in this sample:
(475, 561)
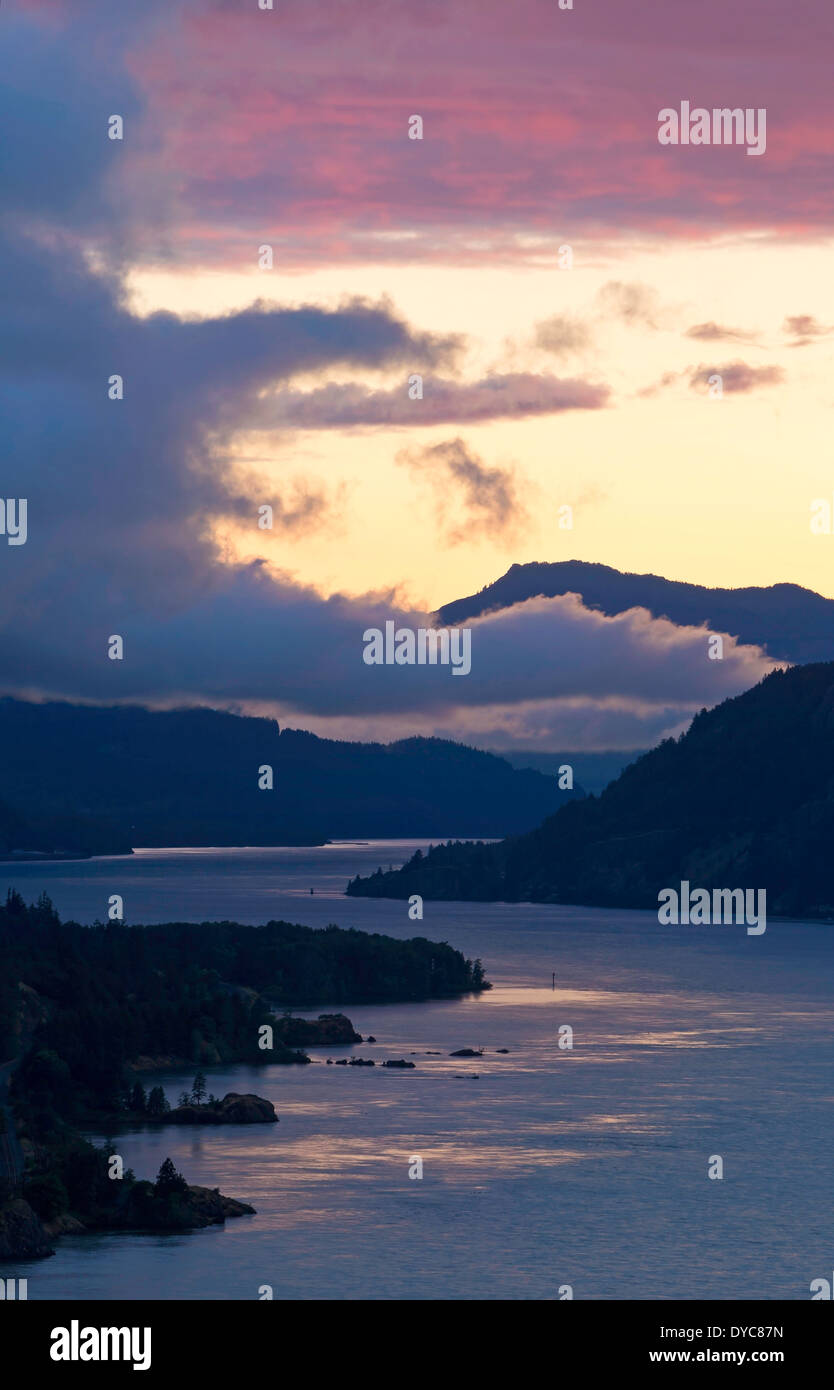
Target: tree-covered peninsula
(84, 1009)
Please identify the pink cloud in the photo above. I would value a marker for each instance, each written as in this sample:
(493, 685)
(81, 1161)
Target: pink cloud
(290, 125)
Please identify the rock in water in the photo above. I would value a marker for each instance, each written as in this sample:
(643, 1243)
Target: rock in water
(208, 1207)
(22, 1236)
(247, 1110)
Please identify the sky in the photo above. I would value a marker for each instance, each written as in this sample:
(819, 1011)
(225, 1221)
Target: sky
(564, 285)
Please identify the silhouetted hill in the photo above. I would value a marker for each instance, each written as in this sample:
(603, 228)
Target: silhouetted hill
(592, 770)
(745, 798)
(190, 777)
(58, 836)
(792, 623)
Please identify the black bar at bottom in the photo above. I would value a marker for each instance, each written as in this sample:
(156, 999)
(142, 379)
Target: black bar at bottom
(60, 1339)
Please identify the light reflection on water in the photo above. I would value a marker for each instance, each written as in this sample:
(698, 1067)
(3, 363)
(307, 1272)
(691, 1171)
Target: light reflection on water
(585, 1167)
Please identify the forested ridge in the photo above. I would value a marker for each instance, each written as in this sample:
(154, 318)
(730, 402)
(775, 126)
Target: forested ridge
(745, 797)
(86, 780)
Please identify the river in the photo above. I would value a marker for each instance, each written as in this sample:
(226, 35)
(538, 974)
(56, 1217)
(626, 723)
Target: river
(543, 1167)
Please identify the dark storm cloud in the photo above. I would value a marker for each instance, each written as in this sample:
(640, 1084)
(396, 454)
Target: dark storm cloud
(55, 148)
(123, 494)
(111, 473)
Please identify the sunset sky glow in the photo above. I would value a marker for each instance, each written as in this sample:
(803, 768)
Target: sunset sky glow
(543, 385)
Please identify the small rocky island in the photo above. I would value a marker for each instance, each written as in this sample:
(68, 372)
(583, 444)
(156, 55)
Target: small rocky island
(233, 1109)
(328, 1030)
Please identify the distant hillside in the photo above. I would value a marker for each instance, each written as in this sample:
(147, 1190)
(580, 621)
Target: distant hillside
(592, 770)
(130, 776)
(792, 623)
(745, 798)
(58, 835)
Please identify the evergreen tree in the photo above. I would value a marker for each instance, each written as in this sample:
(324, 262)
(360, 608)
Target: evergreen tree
(138, 1099)
(169, 1180)
(157, 1102)
(199, 1089)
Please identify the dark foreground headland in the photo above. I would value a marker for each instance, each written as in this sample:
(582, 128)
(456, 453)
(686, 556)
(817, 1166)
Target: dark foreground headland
(84, 1010)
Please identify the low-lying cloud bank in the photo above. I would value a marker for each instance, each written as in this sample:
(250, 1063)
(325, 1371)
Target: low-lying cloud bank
(259, 641)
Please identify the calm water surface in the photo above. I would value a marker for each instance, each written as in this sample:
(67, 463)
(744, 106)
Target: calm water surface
(542, 1167)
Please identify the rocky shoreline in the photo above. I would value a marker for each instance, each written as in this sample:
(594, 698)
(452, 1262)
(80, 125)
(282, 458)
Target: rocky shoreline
(24, 1236)
(170, 1204)
(88, 1009)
